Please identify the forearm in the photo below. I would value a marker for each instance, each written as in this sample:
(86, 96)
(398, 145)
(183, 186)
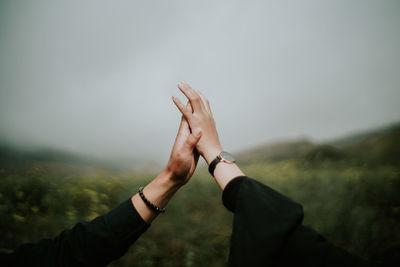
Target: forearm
(263, 220)
(159, 192)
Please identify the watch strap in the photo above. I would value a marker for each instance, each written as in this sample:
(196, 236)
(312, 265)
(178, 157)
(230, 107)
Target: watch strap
(213, 164)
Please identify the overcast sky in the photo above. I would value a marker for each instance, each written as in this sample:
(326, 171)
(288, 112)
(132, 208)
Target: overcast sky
(96, 77)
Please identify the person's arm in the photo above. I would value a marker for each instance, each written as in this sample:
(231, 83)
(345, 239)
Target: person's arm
(267, 229)
(263, 221)
(108, 237)
(94, 243)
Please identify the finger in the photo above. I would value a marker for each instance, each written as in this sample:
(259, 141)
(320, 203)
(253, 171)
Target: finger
(194, 138)
(192, 96)
(185, 112)
(184, 128)
(205, 101)
(189, 107)
(183, 134)
(184, 125)
(197, 94)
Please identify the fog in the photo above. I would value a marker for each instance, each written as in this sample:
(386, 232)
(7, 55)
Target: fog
(96, 77)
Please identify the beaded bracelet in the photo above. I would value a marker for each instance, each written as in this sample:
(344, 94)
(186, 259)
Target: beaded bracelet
(149, 204)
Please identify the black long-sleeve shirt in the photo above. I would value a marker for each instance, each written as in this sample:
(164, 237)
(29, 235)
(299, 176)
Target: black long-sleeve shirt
(94, 243)
(267, 231)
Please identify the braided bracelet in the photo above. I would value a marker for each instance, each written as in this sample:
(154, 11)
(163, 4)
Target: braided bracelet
(149, 204)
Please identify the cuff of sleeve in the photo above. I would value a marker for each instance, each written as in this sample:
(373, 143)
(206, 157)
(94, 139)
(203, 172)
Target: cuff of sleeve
(126, 221)
(230, 192)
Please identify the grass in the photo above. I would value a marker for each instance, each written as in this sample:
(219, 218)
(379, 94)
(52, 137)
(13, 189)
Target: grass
(355, 206)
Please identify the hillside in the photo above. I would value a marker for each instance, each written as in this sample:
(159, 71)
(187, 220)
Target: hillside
(276, 151)
(9, 154)
(382, 148)
(381, 145)
(359, 136)
(19, 158)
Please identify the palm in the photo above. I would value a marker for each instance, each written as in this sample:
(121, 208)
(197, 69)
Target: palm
(183, 160)
(193, 163)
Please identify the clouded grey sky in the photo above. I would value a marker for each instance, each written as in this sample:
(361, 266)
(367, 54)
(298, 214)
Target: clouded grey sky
(96, 77)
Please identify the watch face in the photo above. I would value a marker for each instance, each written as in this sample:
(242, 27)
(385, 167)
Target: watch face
(228, 157)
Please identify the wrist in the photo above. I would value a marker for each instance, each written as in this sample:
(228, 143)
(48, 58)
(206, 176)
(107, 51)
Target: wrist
(158, 192)
(210, 154)
(170, 180)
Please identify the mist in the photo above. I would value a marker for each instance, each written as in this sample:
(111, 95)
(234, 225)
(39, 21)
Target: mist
(96, 77)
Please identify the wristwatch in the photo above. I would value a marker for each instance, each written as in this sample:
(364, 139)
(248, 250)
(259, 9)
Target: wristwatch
(224, 157)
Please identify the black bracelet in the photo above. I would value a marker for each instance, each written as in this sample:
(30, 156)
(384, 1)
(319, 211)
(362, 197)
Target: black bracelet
(149, 204)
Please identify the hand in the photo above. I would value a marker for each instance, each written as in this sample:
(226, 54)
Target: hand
(200, 117)
(180, 167)
(184, 156)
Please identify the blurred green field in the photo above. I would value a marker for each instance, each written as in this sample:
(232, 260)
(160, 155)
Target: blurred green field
(353, 201)
(355, 207)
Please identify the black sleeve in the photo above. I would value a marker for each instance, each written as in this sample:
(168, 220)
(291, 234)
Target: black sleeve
(94, 243)
(268, 231)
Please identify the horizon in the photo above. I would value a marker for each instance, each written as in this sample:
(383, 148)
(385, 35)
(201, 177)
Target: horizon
(146, 164)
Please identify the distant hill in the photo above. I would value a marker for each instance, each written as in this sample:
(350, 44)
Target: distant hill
(360, 136)
(57, 161)
(382, 148)
(380, 145)
(275, 151)
(9, 154)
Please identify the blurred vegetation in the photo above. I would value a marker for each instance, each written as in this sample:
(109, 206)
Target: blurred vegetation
(350, 194)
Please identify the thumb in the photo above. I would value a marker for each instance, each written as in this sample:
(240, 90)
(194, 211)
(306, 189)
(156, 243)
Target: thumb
(194, 138)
